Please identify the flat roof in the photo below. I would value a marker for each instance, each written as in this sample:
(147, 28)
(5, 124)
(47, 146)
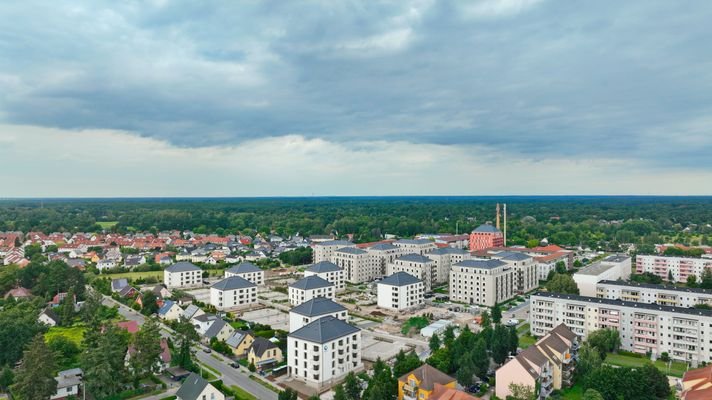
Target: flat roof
(656, 287)
(629, 304)
(595, 269)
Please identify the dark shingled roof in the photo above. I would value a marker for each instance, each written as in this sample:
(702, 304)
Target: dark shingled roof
(335, 243)
(260, 345)
(182, 266)
(244, 268)
(414, 258)
(399, 279)
(233, 283)
(486, 228)
(414, 241)
(318, 306)
(351, 250)
(513, 256)
(324, 266)
(192, 387)
(324, 330)
(310, 282)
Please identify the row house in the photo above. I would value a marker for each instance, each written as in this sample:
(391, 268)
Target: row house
(667, 295)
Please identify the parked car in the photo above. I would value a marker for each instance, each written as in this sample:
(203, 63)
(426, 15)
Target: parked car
(235, 365)
(512, 322)
(207, 350)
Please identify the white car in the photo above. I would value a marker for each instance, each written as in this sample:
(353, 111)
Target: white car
(512, 322)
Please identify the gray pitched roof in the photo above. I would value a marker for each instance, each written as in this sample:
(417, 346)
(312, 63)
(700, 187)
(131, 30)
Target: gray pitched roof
(512, 256)
(324, 330)
(118, 284)
(414, 241)
(244, 268)
(448, 250)
(335, 243)
(233, 283)
(383, 246)
(399, 279)
(414, 258)
(190, 311)
(51, 314)
(237, 337)
(318, 306)
(310, 282)
(260, 345)
(351, 250)
(192, 387)
(483, 264)
(215, 328)
(323, 266)
(182, 267)
(486, 228)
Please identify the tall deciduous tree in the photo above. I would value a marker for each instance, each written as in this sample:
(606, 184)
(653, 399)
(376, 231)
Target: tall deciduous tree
(34, 378)
(480, 359)
(103, 363)
(520, 392)
(496, 313)
(562, 283)
(146, 346)
(352, 386)
(66, 309)
(186, 336)
(383, 385)
(434, 342)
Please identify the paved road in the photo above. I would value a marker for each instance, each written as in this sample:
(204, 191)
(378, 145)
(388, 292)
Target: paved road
(230, 376)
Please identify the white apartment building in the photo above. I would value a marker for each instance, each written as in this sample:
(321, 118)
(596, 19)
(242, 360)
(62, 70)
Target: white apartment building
(400, 291)
(483, 282)
(328, 271)
(384, 253)
(323, 251)
(182, 274)
(444, 258)
(524, 265)
(683, 333)
(358, 265)
(316, 308)
(665, 295)
(234, 291)
(248, 271)
(308, 288)
(417, 246)
(610, 268)
(416, 265)
(322, 352)
(680, 267)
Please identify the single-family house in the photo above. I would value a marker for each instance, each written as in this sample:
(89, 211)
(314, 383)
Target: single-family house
(264, 354)
(196, 388)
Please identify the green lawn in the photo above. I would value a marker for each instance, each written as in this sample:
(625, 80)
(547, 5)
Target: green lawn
(575, 392)
(414, 322)
(676, 368)
(526, 341)
(241, 394)
(265, 384)
(73, 333)
(523, 329)
(107, 224)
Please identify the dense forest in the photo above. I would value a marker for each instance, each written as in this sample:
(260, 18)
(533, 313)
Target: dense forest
(589, 221)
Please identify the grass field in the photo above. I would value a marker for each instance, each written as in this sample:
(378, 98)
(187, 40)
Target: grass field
(523, 329)
(526, 341)
(575, 392)
(241, 394)
(676, 368)
(74, 333)
(107, 224)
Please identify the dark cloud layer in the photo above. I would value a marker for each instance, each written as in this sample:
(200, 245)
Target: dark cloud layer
(539, 78)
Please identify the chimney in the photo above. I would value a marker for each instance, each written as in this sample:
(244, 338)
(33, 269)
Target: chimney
(497, 223)
(505, 224)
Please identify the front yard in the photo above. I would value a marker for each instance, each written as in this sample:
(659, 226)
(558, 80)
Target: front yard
(676, 369)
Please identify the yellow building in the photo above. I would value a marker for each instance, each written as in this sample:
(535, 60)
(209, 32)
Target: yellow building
(240, 342)
(419, 383)
(264, 353)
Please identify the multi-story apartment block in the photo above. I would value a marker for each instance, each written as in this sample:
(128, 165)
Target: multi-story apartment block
(665, 295)
(358, 265)
(248, 271)
(182, 274)
(316, 308)
(550, 363)
(525, 267)
(323, 351)
(233, 292)
(444, 258)
(484, 282)
(617, 266)
(416, 265)
(328, 271)
(308, 288)
(400, 291)
(417, 246)
(486, 236)
(644, 328)
(385, 253)
(324, 250)
(679, 267)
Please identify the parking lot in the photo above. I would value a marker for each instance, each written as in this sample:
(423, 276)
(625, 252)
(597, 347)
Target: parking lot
(268, 316)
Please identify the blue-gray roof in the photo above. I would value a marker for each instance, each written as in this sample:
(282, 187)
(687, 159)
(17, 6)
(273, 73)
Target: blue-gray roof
(448, 250)
(318, 306)
(182, 266)
(310, 282)
(166, 307)
(383, 246)
(192, 387)
(324, 330)
(399, 279)
(244, 268)
(486, 228)
(482, 264)
(233, 283)
(351, 250)
(414, 258)
(323, 266)
(414, 241)
(215, 328)
(335, 243)
(513, 256)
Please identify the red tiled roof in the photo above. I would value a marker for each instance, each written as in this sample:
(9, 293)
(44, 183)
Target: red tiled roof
(130, 326)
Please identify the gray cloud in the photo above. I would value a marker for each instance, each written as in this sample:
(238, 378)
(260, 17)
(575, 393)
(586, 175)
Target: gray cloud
(535, 78)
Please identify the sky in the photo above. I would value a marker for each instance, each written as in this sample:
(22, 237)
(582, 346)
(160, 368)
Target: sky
(300, 98)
